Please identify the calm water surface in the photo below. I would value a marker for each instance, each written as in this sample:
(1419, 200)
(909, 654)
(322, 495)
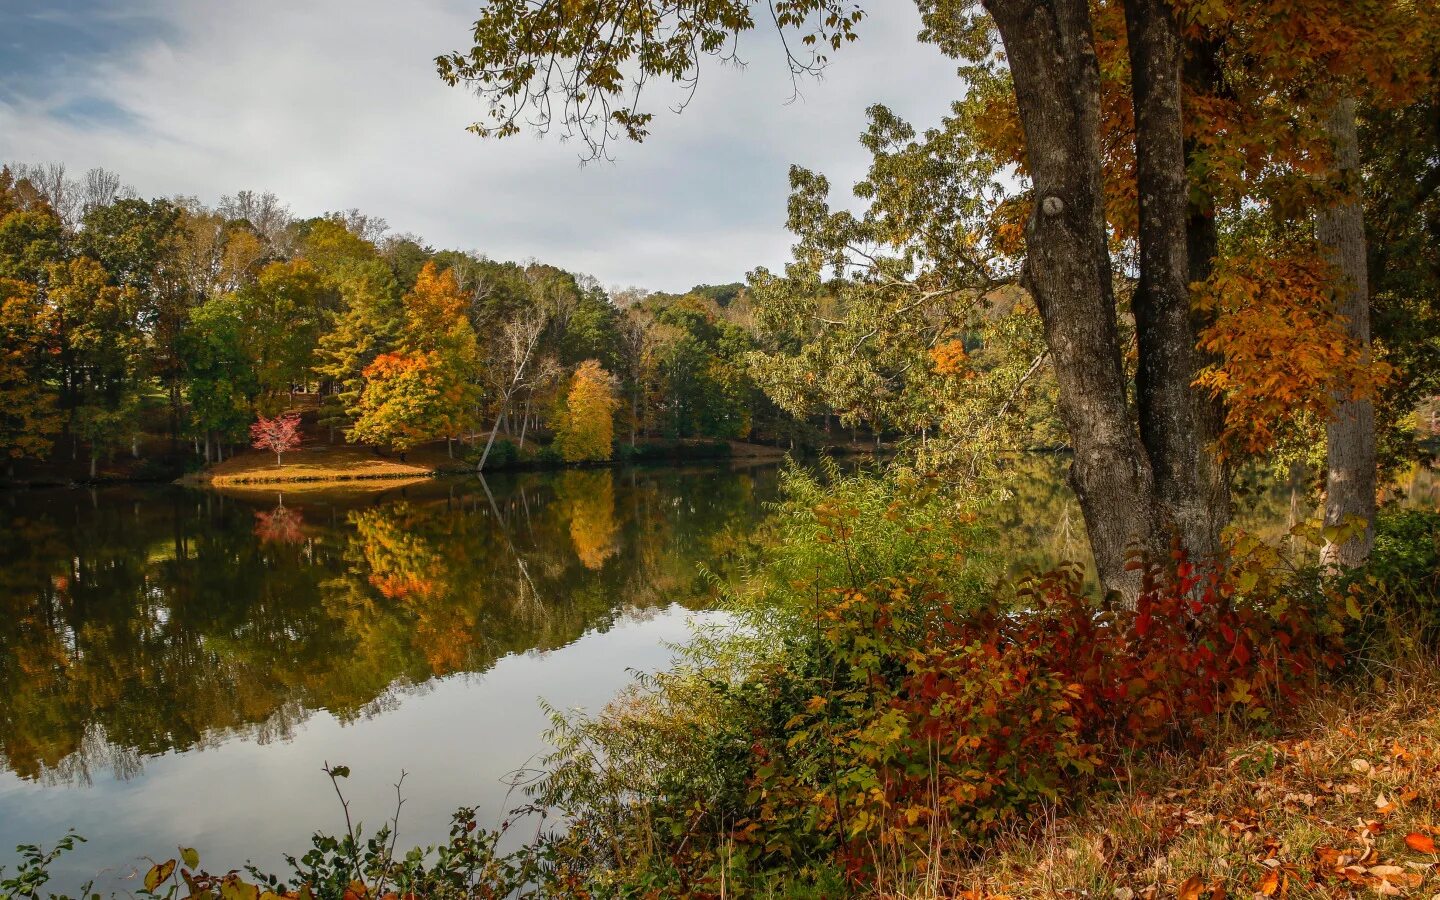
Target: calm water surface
(176, 665)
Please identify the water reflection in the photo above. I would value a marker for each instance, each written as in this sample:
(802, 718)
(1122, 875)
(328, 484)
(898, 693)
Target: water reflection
(139, 621)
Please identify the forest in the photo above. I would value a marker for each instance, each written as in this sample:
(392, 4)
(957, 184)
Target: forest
(1178, 247)
(162, 331)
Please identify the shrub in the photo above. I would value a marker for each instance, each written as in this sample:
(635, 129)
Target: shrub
(504, 454)
(673, 451)
(885, 708)
(1401, 583)
(1406, 557)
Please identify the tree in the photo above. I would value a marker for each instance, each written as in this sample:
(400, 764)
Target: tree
(102, 352)
(279, 435)
(368, 322)
(220, 382)
(1052, 60)
(27, 408)
(586, 430)
(411, 398)
(279, 316)
(425, 388)
(31, 233)
(1088, 102)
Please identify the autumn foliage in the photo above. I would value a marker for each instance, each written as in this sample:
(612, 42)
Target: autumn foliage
(959, 723)
(279, 435)
(586, 430)
(1280, 350)
(27, 412)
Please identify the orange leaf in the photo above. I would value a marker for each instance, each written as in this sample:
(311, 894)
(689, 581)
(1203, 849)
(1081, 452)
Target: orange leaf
(1269, 883)
(1190, 889)
(1420, 843)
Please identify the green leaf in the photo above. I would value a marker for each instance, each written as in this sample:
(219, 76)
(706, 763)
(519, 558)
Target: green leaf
(191, 858)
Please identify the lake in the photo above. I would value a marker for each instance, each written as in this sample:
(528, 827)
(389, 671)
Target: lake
(176, 665)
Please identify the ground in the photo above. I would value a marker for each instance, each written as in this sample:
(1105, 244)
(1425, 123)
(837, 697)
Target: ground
(1343, 802)
(319, 461)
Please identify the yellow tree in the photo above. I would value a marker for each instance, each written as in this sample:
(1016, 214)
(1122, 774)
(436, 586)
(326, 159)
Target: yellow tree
(586, 431)
(426, 389)
(433, 306)
(27, 410)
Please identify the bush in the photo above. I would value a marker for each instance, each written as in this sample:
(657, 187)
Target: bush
(549, 456)
(674, 451)
(1406, 557)
(504, 454)
(1402, 580)
(878, 704)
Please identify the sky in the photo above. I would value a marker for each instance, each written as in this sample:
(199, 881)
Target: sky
(333, 104)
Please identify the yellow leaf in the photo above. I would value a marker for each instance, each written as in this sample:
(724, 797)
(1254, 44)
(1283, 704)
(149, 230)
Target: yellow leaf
(158, 874)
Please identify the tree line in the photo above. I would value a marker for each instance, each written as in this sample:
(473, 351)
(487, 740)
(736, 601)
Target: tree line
(124, 316)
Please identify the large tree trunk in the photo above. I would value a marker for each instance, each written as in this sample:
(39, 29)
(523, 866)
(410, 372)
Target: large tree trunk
(1179, 424)
(1051, 51)
(1350, 436)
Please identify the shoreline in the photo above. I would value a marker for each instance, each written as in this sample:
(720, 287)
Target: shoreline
(246, 470)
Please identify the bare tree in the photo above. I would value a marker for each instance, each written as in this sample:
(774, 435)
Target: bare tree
(101, 188)
(362, 225)
(517, 345)
(62, 194)
(266, 214)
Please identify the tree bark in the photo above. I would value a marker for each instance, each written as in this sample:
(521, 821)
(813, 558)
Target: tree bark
(1050, 47)
(1179, 424)
(525, 419)
(490, 441)
(1350, 435)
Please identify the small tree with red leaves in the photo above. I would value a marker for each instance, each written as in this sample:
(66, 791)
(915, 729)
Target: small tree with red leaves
(278, 435)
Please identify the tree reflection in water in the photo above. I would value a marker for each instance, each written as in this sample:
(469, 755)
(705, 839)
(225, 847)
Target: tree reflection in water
(135, 621)
(139, 621)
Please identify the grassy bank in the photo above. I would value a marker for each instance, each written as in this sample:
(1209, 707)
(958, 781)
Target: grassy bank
(321, 462)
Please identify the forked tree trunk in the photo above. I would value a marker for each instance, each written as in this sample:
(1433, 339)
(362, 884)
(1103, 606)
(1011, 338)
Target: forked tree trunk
(1350, 436)
(1051, 51)
(1179, 424)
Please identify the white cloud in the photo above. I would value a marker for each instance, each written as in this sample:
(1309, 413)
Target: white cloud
(335, 103)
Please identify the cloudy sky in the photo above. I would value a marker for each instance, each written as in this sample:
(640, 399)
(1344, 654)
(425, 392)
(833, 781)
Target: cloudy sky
(335, 103)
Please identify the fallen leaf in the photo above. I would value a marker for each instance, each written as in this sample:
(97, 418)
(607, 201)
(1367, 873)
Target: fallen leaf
(1420, 843)
(1190, 889)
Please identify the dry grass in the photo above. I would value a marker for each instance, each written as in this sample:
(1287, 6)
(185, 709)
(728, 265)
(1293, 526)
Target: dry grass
(1323, 811)
(319, 462)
